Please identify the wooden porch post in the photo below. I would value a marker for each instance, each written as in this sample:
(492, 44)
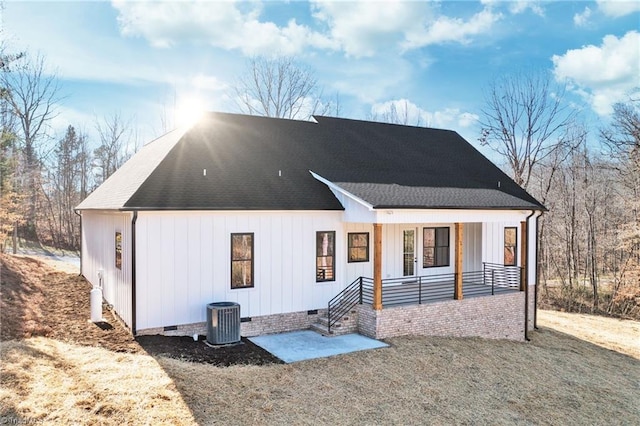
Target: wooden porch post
(377, 266)
(523, 255)
(457, 294)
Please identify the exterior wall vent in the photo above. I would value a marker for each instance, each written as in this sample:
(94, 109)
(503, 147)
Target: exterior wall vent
(223, 323)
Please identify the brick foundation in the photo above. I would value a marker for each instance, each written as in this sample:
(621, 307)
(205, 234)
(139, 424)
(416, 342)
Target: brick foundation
(266, 324)
(280, 323)
(494, 317)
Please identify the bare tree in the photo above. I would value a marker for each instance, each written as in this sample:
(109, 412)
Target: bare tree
(398, 113)
(63, 189)
(11, 202)
(524, 120)
(622, 138)
(32, 95)
(281, 88)
(115, 138)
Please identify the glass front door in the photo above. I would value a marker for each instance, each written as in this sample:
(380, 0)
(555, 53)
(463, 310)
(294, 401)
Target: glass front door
(409, 252)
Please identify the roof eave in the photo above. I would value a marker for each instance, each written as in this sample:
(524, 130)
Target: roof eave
(235, 208)
(424, 207)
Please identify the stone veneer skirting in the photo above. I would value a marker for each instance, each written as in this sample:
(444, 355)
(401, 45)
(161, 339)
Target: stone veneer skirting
(257, 326)
(495, 317)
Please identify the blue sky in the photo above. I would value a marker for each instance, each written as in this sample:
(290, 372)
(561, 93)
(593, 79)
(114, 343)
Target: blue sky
(139, 59)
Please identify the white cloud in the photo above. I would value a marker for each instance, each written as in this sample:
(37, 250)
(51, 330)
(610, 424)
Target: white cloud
(220, 24)
(446, 29)
(403, 111)
(521, 6)
(467, 119)
(582, 19)
(362, 28)
(602, 74)
(617, 8)
(359, 29)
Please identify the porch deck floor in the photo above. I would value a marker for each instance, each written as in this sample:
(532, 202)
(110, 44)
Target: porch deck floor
(306, 344)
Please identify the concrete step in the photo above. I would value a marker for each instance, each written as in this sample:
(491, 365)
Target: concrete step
(322, 329)
(325, 321)
(336, 329)
(346, 325)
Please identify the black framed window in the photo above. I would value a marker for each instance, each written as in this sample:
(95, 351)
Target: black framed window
(435, 249)
(242, 260)
(118, 249)
(325, 256)
(510, 246)
(358, 247)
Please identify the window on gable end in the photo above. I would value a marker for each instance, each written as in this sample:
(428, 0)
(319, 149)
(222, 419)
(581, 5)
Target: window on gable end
(242, 260)
(118, 249)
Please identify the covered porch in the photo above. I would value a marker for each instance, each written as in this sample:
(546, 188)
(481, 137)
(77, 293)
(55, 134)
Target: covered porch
(477, 282)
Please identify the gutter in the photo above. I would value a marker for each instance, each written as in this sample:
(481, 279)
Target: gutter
(79, 215)
(526, 279)
(133, 272)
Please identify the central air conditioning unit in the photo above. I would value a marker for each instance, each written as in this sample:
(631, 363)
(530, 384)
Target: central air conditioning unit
(223, 323)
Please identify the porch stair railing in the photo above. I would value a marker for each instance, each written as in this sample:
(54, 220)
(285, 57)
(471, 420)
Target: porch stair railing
(343, 302)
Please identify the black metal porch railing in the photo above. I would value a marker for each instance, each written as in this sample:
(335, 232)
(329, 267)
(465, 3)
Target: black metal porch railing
(492, 279)
(501, 276)
(343, 302)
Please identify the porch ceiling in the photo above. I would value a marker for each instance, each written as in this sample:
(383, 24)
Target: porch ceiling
(434, 216)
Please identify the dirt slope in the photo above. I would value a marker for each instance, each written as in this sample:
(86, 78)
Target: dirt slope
(37, 300)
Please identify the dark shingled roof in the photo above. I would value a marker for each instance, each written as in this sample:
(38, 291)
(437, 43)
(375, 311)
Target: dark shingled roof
(259, 163)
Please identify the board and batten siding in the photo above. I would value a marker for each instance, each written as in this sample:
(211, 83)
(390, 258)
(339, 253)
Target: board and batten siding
(184, 263)
(355, 270)
(99, 253)
(472, 247)
(493, 244)
(392, 249)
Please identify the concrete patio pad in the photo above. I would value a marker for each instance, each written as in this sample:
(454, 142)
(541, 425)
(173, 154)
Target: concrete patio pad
(306, 344)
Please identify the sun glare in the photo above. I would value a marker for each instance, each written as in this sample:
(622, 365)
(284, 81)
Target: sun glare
(188, 111)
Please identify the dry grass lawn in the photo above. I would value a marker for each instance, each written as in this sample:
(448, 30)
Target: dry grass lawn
(554, 379)
(616, 334)
(58, 383)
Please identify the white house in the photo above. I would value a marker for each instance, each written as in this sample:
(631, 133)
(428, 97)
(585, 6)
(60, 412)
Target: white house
(412, 226)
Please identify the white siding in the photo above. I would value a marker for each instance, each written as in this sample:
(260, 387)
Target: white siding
(184, 260)
(493, 242)
(98, 253)
(472, 247)
(184, 263)
(392, 250)
(359, 269)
